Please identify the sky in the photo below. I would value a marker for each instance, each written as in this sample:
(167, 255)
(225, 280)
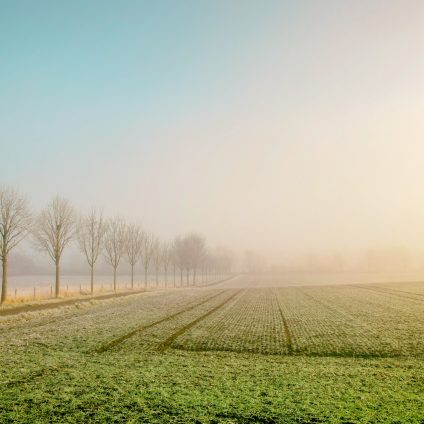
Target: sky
(277, 126)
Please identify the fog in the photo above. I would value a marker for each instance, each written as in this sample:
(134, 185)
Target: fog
(296, 134)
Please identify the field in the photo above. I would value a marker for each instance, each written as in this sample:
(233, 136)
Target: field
(251, 349)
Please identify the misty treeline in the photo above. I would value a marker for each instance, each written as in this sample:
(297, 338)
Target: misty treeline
(58, 225)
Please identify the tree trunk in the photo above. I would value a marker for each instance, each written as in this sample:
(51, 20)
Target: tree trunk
(114, 279)
(92, 279)
(174, 276)
(188, 277)
(57, 285)
(145, 277)
(4, 280)
(194, 276)
(132, 276)
(181, 277)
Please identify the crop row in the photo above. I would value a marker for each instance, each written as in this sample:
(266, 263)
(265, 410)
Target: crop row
(252, 323)
(395, 323)
(158, 337)
(86, 327)
(335, 321)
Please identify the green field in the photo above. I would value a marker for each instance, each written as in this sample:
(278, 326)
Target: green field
(245, 351)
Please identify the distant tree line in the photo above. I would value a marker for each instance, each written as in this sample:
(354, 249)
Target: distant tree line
(58, 224)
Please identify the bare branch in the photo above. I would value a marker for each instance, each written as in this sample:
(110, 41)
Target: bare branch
(15, 221)
(134, 243)
(115, 241)
(55, 228)
(90, 234)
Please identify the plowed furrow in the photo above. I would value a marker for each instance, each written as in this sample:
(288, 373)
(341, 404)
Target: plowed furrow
(142, 328)
(388, 292)
(286, 326)
(168, 342)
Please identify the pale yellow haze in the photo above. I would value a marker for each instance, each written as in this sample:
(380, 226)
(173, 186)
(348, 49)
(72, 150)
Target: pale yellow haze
(324, 146)
(312, 142)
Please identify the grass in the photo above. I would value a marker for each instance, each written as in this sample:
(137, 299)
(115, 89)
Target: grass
(217, 387)
(54, 370)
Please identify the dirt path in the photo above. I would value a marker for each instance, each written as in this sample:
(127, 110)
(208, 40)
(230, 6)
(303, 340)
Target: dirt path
(52, 304)
(57, 304)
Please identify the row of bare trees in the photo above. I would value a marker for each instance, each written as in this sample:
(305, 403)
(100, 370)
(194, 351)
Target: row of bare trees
(56, 226)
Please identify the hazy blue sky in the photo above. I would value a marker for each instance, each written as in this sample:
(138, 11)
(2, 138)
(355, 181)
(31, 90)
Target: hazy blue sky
(278, 124)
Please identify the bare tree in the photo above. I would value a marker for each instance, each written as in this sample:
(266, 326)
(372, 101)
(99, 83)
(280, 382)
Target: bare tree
(90, 233)
(205, 263)
(146, 254)
(157, 257)
(179, 256)
(174, 260)
(134, 245)
(196, 250)
(53, 230)
(166, 253)
(222, 261)
(115, 244)
(189, 252)
(15, 220)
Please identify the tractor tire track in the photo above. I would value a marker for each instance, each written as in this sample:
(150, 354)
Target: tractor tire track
(219, 282)
(399, 291)
(382, 290)
(286, 326)
(168, 342)
(115, 342)
(49, 370)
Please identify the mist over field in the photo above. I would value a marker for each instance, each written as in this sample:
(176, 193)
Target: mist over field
(212, 211)
(295, 133)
